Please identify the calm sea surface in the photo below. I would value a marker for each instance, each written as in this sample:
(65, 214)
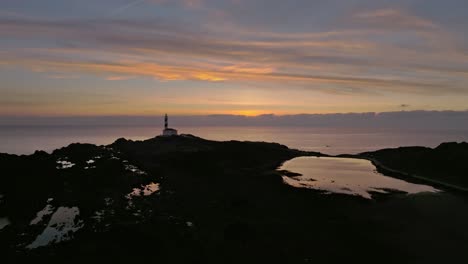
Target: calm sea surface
(27, 139)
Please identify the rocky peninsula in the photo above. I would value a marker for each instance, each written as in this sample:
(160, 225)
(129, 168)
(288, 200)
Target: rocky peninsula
(183, 199)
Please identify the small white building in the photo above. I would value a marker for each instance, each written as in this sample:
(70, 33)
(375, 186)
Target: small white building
(168, 131)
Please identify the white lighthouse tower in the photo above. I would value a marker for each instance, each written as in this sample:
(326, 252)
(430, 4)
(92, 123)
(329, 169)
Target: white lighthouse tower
(168, 131)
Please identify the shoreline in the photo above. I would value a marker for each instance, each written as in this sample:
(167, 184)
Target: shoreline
(387, 171)
(402, 175)
(405, 175)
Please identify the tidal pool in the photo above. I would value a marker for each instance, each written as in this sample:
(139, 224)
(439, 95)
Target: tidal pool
(145, 190)
(4, 222)
(345, 175)
(62, 225)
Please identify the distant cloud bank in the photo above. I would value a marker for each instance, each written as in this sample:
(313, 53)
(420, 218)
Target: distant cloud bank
(402, 119)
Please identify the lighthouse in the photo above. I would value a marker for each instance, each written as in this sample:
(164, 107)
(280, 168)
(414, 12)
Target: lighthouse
(168, 131)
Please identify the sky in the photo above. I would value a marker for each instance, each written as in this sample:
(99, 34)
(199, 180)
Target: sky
(241, 57)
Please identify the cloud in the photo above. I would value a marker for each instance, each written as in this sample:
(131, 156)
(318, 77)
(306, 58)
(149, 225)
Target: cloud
(389, 18)
(394, 120)
(126, 69)
(243, 68)
(118, 78)
(123, 8)
(339, 61)
(190, 4)
(62, 76)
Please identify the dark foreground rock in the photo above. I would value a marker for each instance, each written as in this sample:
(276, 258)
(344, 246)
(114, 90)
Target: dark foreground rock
(216, 202)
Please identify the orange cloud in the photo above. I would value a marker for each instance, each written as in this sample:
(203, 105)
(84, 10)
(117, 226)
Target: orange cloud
(353, 59)
(203, 76)
(235, 73)
(118, 78)
(247, 69)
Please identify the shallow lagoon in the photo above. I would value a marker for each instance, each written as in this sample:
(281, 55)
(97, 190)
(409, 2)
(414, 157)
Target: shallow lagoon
(347, 176)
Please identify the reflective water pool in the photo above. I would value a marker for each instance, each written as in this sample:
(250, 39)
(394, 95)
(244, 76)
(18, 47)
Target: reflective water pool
(346, 176)
(62, 225)
(4, 222)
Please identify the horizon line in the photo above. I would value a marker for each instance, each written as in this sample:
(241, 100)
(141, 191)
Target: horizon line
(236, 115)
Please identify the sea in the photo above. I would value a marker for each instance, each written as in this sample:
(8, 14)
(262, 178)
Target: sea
(27, 139)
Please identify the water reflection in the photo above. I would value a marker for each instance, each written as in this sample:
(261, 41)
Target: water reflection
(145, 190)
(48, 209)
(347, 176)
(27, 139)
(61, 227)
(4, 222)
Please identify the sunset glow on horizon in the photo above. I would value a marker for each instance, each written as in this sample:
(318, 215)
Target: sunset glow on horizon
(199, 57)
